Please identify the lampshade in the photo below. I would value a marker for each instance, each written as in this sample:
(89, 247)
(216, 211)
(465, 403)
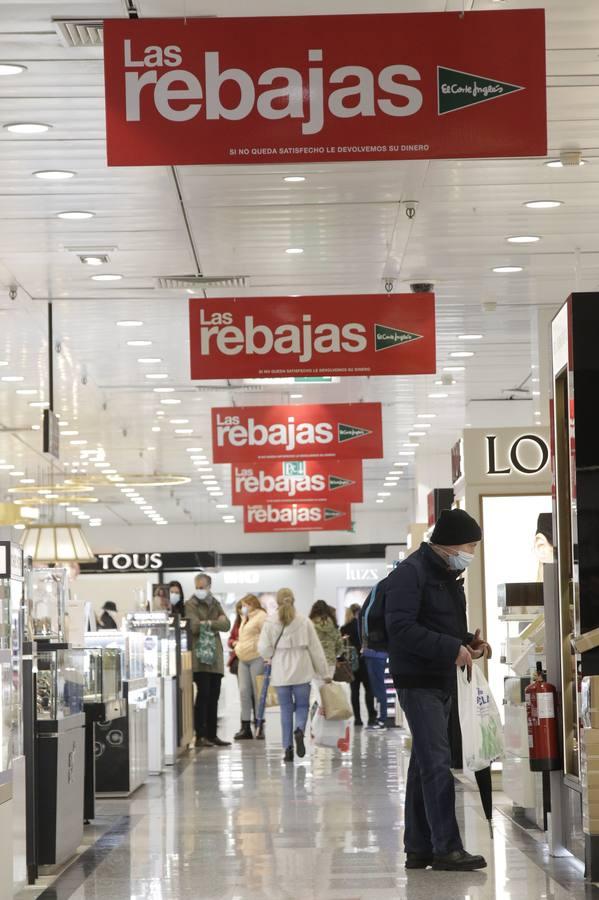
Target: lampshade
(56, 543)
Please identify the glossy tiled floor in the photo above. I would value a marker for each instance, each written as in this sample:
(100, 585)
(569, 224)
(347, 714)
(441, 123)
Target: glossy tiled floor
(239, 825)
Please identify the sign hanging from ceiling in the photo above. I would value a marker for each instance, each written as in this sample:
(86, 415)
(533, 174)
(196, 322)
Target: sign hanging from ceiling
(322, 88)
(372, 334)
(297, 517)
(242, 434)
(279, 481)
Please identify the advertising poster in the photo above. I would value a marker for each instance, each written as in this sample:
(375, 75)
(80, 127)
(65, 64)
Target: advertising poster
(279, 481)
(242, 434)
(201, 91)
(264, 337)
(297, 517)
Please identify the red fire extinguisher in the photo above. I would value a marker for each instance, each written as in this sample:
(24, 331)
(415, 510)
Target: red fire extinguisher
(541, 713)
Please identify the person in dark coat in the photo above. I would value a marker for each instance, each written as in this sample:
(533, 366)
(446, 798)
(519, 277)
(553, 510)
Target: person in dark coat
(425, 615)
(351, 632)
(107, 620)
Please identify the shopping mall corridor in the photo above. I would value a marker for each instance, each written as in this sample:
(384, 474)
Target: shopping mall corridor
(236, 824)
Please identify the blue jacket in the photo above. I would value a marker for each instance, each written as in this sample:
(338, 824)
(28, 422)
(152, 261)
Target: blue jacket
(425, 615)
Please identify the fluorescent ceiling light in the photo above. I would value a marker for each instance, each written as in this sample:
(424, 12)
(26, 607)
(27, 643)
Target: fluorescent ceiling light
(170, 401)
(156, 428)
(75, 214)
(454, 368)
(427, 415)
(183, 430)
(222, 506)
(406, 453)
(129, 323)
(13, 378)
(107, 277)
(437, 396)
(16, 474)
(294, 250)
(93, 260)
(39, 404)
(411, 443)
(523, 239)
(469, 337)
(543, 204)
(27, 392)
(295, 396)
(195, 449)
(558, 164)
(12, 69)
(68, 433)
(294, 179)
(149, 359)
(422, 425)
(27, 127)
(164, 390)
(383, 494)
(416, 433)
(156, 376)
(461, 354)
(179, 421)
(54, 175)
(77, 443)
(506, 270)
(139, 343)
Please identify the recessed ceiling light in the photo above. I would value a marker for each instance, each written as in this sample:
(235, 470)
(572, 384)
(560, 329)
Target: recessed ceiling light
(469, 337)
(54, 175)
(13, 378)
(27, 127)
(3, 362)
(170, 401)
(156, 428)
(222, 506)
(293, 179)
(437, 396)
(294, 250)
(195, 449)
(157, 376)
(179, 421)
(139, 343)
(27, 480)
(39, 404)
(149, 359)
(27, 392)
(164, 390)
(75, 214)
(77, 443)
(543, 204)
(461, 354)
(12, 69)
(416, 433)
(16, 474)
(506, 270)
(383, 494)
(295, 396)
(106, 277)
(129, 323)
(183, 430)
(406, 453)
(523, 239)
(426, 416)
(454, 368)
(411, 443)
(94, 260)
(68, 433)
(558, 164)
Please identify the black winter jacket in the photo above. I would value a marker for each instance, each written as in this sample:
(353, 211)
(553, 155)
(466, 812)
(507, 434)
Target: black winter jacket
(425, 614)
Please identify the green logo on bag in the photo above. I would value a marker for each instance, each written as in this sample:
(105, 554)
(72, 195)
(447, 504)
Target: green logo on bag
(350, 432)
(457, 90)
(386, 336)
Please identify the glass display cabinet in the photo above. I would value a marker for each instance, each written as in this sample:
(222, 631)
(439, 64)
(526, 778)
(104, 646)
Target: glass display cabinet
(60, 737)
(120, 737)
(49, 596)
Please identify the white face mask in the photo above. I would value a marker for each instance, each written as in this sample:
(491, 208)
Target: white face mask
(201, 594)
(245, 610)
(175, 598)
(460, 560)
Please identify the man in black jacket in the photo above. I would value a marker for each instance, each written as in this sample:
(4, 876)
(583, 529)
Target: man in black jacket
(425, 613)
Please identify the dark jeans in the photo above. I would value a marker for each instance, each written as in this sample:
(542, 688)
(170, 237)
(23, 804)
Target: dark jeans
(430, 821)
(376, 675)
(206, 705)
(361, 678)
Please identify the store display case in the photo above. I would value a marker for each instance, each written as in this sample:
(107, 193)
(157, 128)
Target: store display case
(49, 598)
(60, 738)
(103, 703)
(121, 741)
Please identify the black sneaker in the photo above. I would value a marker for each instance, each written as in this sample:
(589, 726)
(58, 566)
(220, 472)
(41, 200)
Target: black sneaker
(418, 860)
(288, 755)
(358, 723)
(300, 746)
(458, 861)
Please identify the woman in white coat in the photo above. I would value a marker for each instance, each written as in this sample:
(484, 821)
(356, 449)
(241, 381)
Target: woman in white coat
(289, 641)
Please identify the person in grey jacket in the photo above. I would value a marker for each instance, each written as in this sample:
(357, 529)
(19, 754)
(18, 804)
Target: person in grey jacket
(204, 611)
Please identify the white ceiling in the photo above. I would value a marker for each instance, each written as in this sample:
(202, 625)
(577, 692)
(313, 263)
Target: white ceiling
(346, 216)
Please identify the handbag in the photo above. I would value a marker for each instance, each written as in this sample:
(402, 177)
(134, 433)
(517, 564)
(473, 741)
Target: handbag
(343, 671)
(233, 664)
(206, 646)
(272, 698)
(334, 702)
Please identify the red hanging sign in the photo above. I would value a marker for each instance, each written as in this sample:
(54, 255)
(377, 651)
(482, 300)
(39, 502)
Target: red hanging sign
(339, 430)
(260, 337)
(297, 517)
(319, 88)
(279, 481)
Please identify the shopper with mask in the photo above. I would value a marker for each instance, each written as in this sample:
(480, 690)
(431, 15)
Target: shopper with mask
(207, 618)
(251, 664)
(425, 614)
(176, 598)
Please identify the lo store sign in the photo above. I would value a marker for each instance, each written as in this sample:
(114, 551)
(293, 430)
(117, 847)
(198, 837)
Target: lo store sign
(321, 88)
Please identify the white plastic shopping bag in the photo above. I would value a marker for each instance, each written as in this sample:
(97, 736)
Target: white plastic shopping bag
(333, 733)
(482, 733)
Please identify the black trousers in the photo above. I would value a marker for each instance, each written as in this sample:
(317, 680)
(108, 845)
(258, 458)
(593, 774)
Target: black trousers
(361, 678)
(206, 704)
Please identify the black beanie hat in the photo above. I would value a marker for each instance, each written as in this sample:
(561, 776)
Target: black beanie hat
(455, 526)
(110, 606)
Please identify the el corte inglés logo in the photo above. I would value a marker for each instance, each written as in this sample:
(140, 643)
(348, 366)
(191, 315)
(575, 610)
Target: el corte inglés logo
(457, 90)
